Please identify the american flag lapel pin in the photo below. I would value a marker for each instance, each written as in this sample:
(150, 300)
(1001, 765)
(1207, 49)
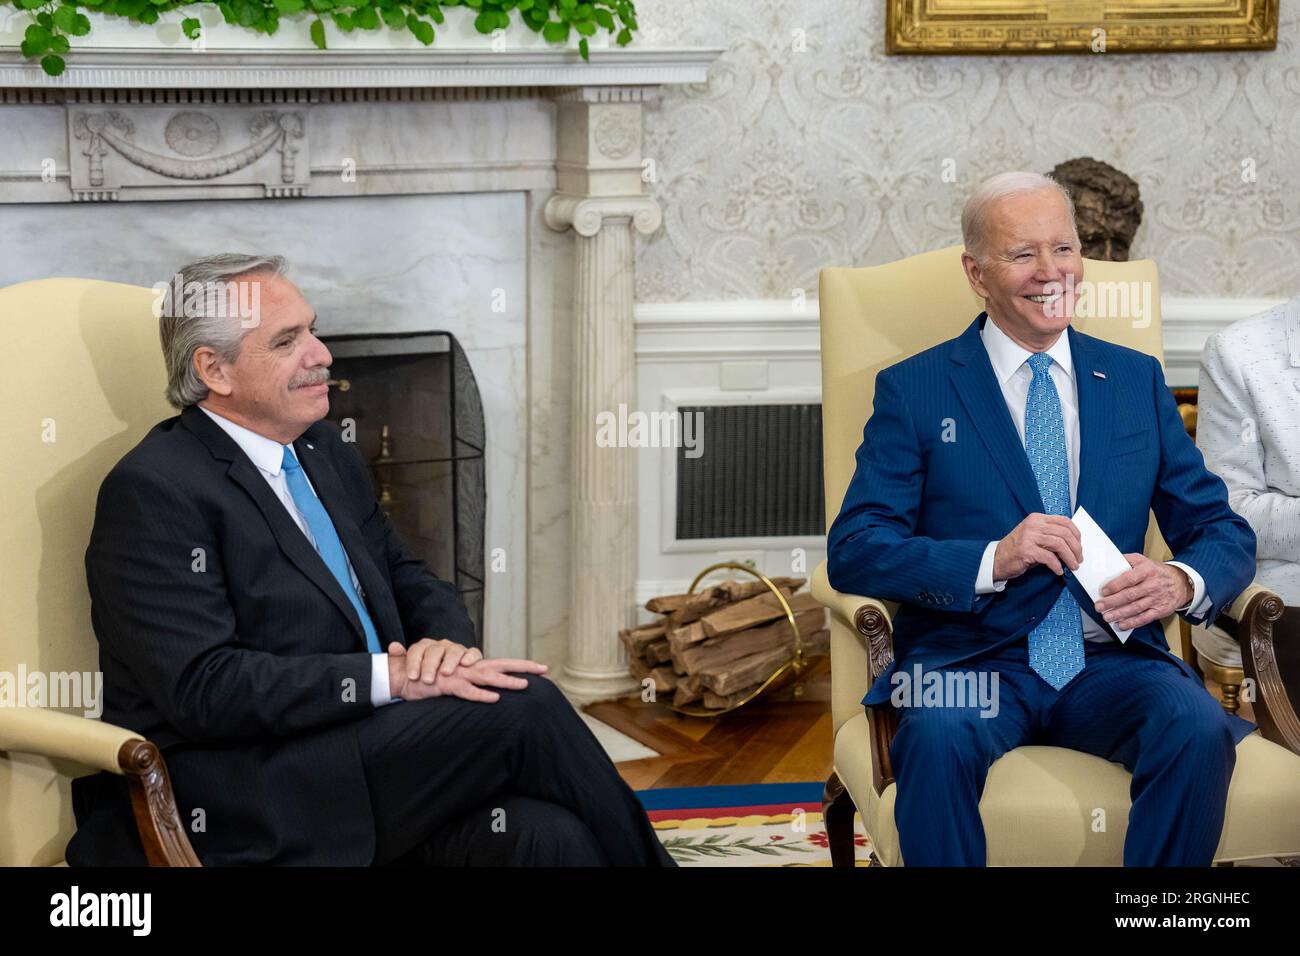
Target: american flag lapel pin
(1096, 373)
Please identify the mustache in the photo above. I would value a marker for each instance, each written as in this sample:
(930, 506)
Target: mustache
(316, 376)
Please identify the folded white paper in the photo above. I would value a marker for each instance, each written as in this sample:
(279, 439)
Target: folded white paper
(1102, 561)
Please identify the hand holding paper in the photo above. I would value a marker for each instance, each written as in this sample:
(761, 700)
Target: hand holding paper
(1102, 561)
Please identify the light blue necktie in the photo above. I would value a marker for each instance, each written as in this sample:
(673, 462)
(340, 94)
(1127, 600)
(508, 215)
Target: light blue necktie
(1055, 645)
(328, 544)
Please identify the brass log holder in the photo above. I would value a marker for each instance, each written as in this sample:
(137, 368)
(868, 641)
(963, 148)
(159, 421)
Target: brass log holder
(788, 673)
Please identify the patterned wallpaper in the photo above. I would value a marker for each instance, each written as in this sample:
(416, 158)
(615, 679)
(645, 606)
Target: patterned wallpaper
(809, 147)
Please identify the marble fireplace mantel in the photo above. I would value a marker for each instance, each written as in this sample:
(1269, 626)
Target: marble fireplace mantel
(534, 150)
(139, 68)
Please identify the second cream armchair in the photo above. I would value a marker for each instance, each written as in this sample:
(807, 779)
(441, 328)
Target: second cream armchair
(1039, 803)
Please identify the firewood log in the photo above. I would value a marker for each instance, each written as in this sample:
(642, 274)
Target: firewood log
(756, 610)
(689, 690)
(718, 702)
(754, 668)
(663, 677)
(635, 639)
(718, 651)
(696, 606)
(740, 590)
(666, 603)
(658, 653)
(707, 599)
(684, 637)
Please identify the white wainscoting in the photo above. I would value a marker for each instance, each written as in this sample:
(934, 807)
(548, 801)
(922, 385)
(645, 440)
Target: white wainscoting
(716, 353)
(767, 351)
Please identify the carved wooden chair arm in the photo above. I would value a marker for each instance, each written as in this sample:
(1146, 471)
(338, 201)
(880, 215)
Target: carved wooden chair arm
(873, 620)
(49, 733)
(1253, 621)
(848, 606)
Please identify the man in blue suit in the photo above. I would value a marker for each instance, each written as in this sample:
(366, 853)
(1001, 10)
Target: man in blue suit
(976, 454)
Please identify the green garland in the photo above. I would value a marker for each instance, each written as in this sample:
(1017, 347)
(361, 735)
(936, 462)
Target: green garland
(56, 20)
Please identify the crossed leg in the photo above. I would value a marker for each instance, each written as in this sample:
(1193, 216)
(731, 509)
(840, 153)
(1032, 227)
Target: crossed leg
(454, 772)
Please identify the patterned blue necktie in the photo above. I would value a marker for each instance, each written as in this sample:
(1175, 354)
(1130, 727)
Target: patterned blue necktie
(1055, 645)
(328, 544)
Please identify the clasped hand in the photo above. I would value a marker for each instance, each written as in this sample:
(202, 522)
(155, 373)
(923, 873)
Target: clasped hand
(441, 668)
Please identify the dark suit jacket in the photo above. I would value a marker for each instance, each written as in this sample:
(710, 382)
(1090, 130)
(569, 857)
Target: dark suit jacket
(226, 641)
(921, 508)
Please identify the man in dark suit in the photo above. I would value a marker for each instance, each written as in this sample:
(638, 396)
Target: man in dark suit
(977, 453)
(311, 684)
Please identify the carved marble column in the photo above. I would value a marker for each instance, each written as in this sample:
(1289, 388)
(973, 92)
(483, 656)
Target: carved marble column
(600, 197)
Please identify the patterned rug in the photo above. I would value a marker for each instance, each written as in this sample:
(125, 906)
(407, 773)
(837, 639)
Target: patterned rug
(764, 824)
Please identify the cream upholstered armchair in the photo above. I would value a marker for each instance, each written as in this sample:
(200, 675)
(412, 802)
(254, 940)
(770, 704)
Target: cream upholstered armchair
(85, 385)
(1038, 801)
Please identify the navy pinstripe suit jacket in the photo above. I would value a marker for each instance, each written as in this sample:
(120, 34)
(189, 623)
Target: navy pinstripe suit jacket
(226, 641)
(941, 472)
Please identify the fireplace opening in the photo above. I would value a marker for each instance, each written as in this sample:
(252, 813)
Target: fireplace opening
(410, 404)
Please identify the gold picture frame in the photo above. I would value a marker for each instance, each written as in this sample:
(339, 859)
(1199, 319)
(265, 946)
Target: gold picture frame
(1078, 26)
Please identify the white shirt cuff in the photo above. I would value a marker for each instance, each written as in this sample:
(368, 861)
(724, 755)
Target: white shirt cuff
(379, 690)
(1200, 603)
(984, 583)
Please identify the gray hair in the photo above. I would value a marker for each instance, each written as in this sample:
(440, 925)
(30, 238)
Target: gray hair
(974, 215)
(194, 311)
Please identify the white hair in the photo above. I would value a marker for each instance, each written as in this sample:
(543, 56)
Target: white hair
(188, 322)
(975, 214)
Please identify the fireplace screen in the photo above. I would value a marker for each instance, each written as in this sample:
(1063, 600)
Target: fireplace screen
(410, 404)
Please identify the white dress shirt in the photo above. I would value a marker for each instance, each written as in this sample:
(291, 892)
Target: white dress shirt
(1011, 367)
(267, 455)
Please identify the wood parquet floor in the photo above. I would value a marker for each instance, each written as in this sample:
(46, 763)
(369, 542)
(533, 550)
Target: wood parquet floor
(782, 739)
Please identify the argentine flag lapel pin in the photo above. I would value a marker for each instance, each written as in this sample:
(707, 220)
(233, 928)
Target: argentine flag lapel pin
(1099, 374)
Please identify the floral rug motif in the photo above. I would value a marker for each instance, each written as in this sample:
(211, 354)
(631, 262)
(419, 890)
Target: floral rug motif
(763, 824)
(767, 824)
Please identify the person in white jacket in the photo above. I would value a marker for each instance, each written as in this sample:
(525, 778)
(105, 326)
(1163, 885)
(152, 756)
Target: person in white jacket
(1248, 428)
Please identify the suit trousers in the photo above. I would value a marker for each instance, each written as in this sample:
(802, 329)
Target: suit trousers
(1126, 706)
(518, 782)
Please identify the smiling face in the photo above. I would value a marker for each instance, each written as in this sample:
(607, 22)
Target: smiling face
(1031, 258)
(276, 386)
